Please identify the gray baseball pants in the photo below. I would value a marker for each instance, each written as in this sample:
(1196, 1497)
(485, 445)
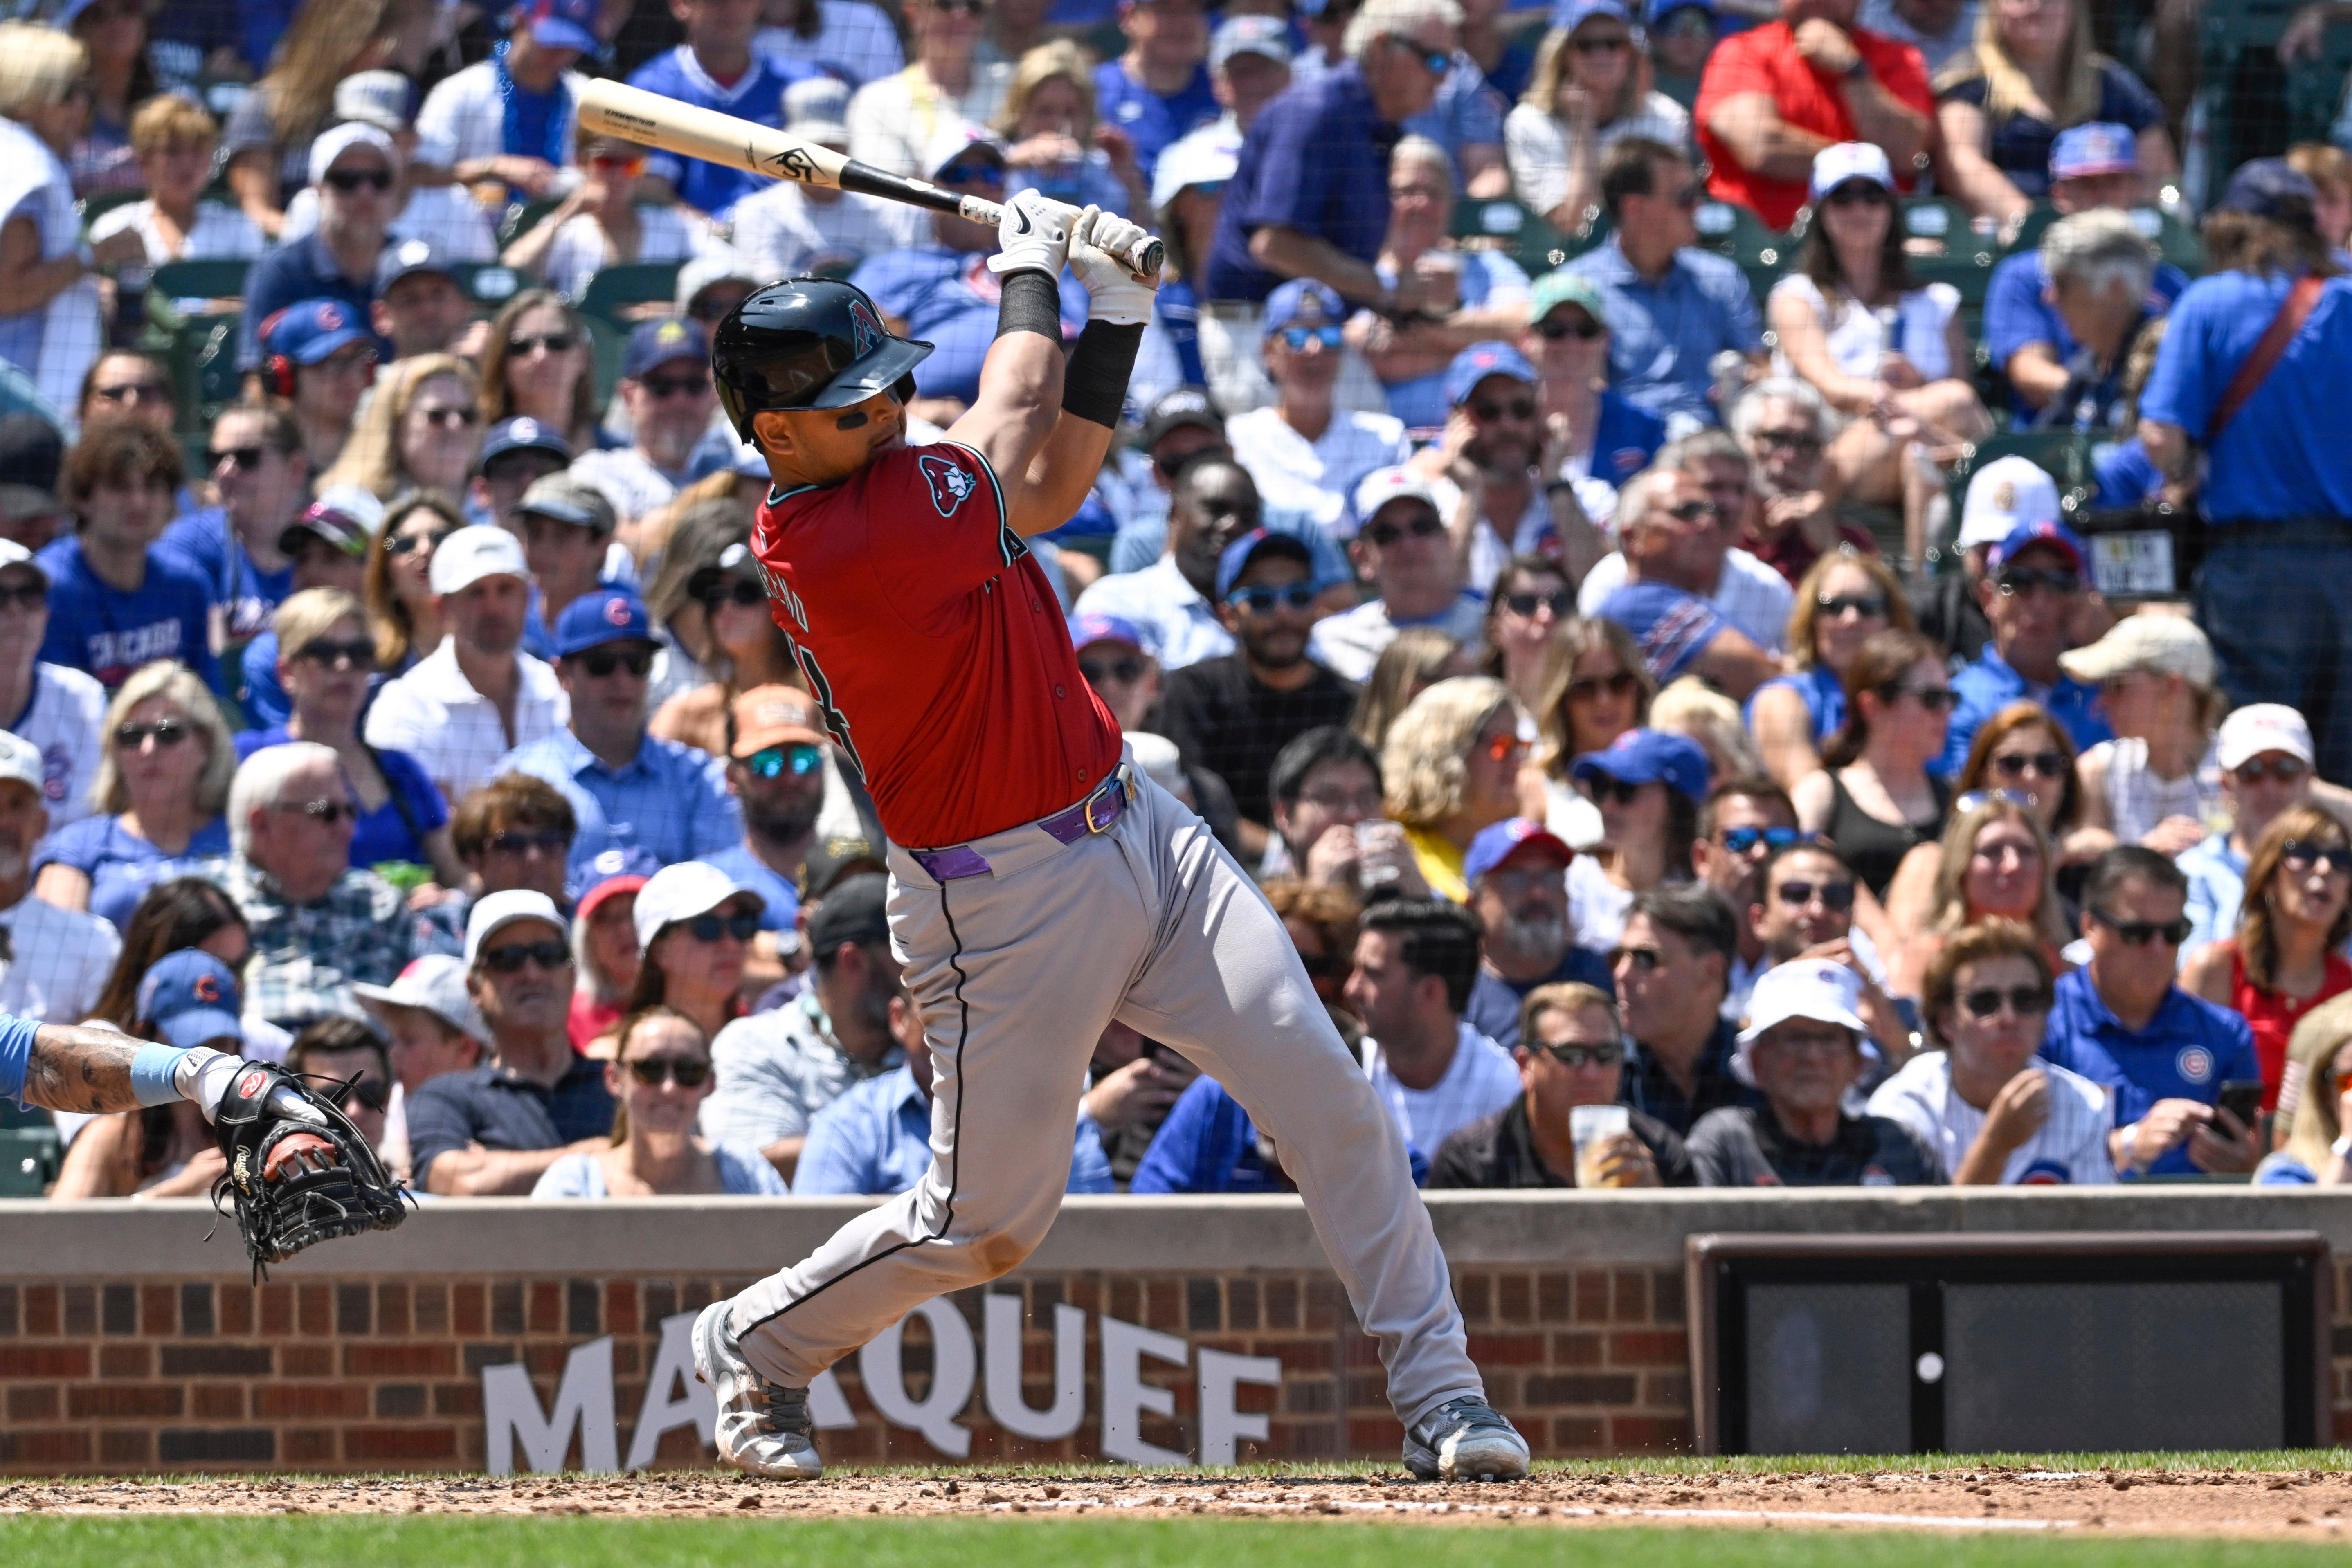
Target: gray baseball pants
(1017, 972)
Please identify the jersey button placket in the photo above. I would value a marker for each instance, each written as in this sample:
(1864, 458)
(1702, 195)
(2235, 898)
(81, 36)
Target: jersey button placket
(1060, 692)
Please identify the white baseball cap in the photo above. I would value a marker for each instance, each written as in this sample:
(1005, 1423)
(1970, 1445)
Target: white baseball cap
(1811, 989)
(2258, 728)
(333, 143)
(2004, 495)
(434, 984)
(1157, 756)
(473, 553)
(681, 892)
(20, 759)
(1381, 486)
(2165, 644)
(952, 141)
(496, 911)
(1202, 158)
(1833, 166)
(13, 554)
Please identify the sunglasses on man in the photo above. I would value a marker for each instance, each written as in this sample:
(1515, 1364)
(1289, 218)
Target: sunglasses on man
(800, 760)
(2140, 933)
(1260, 598)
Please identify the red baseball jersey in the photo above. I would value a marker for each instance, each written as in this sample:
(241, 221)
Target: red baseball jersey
(933, 645)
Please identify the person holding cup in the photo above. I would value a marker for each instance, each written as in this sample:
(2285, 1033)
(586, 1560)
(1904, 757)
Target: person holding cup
(1566, 1128)
(1802, 1051)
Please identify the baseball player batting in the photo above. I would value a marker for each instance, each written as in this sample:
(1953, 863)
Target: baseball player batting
(1056, 888)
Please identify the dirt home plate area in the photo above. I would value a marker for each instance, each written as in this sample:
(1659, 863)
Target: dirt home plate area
(2305, 1505)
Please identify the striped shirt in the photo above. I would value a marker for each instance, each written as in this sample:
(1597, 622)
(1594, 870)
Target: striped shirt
(1480, 1080)
(2070, 1148)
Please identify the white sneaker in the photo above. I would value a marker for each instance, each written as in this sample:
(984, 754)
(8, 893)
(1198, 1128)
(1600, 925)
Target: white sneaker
(763, 1427)
(1465, 1439)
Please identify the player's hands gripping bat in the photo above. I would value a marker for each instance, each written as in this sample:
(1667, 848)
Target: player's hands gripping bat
(1098, 239)
(633, 114)
(299, 1172)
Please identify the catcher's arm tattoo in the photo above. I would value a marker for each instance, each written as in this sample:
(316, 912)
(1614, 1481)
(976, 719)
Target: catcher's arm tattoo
(85, 1070)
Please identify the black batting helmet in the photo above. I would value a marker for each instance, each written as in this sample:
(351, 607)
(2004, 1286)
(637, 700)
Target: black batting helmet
(807, 342)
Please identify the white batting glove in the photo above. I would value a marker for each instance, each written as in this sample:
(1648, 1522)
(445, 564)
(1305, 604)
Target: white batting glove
(1034, 232)
(1114, 295)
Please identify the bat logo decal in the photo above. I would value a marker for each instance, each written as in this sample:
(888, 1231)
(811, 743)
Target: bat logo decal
(795, 163)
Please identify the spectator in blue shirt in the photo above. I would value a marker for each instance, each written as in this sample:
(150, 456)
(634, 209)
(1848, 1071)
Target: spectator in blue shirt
(1159, 89)
(2032, 595)
(2121, 1022)
(353, 166)
(117, 600)
(1467, 118)
(264, 479)
(1310, 197)
(626, 787)
(2101, 272)
(2278, 472)
(2092, 168)
(1670, 308)
(1663, 516)
(1517, 877)
(875, 1138)
(716, 68)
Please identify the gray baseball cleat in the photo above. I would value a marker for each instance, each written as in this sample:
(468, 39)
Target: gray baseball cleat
(763, 1427)
(1465, 1439)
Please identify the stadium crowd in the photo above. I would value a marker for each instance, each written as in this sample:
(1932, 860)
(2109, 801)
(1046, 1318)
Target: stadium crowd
(1753, 580)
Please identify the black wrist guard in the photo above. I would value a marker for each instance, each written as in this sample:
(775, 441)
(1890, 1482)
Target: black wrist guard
(1093, 383)
(1031, 302)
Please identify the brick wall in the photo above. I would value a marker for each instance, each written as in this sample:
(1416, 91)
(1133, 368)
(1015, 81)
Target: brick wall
(322, 1374)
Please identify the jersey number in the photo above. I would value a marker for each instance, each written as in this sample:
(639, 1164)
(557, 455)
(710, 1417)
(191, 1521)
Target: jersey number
(836, 723)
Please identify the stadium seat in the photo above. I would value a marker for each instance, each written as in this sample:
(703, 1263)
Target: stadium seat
(198, 280)
(615, 288)
(1516, 229)
(1943, 244)
(1738, 234)
(93, 208)
(521, 217)
(608, 344)
(489, 284)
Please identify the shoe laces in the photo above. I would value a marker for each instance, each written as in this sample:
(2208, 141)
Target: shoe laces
(1466, 1411)
(783, 1409)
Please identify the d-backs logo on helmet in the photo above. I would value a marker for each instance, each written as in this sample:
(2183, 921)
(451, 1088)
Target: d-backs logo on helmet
(866, 328)
(949, 483)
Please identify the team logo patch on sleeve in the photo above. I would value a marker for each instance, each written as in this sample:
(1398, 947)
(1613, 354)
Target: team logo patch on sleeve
(951, 484)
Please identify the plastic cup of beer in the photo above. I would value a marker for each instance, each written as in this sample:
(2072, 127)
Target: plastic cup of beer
(1590, 1128)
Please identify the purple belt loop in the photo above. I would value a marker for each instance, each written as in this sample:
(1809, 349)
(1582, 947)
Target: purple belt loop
(952, 864)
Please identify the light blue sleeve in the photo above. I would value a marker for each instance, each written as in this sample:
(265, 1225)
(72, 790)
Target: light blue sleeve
(17, 1054)
(1090, 1166)
(746, 1173)
(573, 1176)
(830, 1167)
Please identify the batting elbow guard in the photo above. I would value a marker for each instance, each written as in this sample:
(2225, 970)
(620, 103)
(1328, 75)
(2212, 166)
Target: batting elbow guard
(1094, 382)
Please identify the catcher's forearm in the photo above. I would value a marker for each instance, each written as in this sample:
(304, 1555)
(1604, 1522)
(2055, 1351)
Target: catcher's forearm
(84, 1070)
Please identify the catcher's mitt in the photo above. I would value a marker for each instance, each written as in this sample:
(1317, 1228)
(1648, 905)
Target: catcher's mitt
(298, 1171)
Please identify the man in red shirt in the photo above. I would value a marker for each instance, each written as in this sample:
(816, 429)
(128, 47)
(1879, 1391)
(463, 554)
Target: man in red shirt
(1774, 96)
(1061, 889)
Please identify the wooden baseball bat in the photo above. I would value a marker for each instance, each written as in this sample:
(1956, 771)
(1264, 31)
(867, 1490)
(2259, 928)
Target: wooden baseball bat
(633, 114)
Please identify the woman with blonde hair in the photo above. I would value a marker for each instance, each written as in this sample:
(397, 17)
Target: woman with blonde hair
(1449, 767)
(539, 366)
(1051, 139)
(659, 1076)
(1596, 686)
(1841, 602)
(2315, 1102)
(171, 142)
(1418, 658)
(1589, 90)
(402, 613)
(421, 430)
(2032, 74)
(2021, 752)
(2287, 954)
(1691, 708)
(1994, 862)
(49, 323)
(269, 134)
(165, 759)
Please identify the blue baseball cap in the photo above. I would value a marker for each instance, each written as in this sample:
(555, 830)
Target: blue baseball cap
(1238, 554)
(1661, 9)
(1303, 302)
(657, 342)
(2094, 147)
(1087, 630)
(524, 433)
(2057, 535)
(1479, 360)
(2270, 188)
(560, 24)
(608, 615)
(405, 257)
(1570, 14)
(1499, 843)
(308, 331)
(1647, 756)
(192, 997)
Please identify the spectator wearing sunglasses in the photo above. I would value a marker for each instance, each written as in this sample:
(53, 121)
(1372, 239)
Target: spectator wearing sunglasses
(1843, 601)
(666, 388)
(1416, 564)
(2034, 599)
(1607, 438)
(1589, 90)
(695, 926)
(1672, 964)
(1647, 785)
(1805, 897)
(1450, 765)
(1569, 1046)
(1994, 1111)
(59, 712)
(1517, 877)
(1784, 427)
(318, 924)
(514, 833)
(742, 646)
(446, 214)
(715, 68)
(1670, 535)
(2265, 752)
(478, 697)
(778, 1069)
(1874, 796)
(2162, 1053)
(1497, 445)
(493, 1132)
(628, 788)
(1233, 714)
(2286, 955)
(1802, 1053)
(354, 167)
(776, 769)
(421, 430)
(1670, 307)
(1709, 562)
(659, 1079)
(324, 660)
(1306, 451)
(1743, 821)
(255, 460)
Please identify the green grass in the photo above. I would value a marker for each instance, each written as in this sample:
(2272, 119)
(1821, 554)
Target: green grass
(437, 1543)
